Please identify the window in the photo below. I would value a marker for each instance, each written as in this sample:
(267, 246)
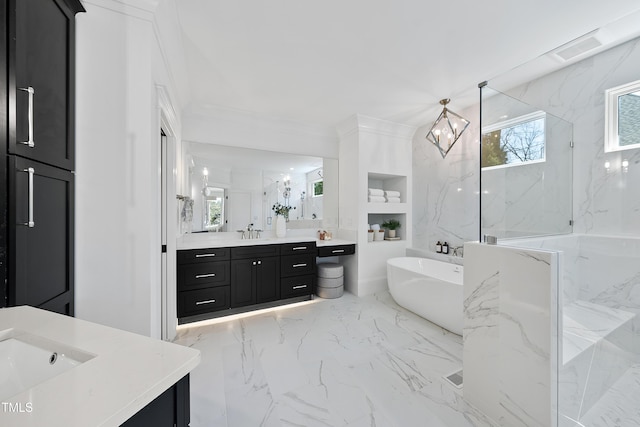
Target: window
(622, 125)
(514, 142)
(318, 188)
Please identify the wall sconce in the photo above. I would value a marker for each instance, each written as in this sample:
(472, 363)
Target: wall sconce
(607, 166)
(625, 166)
(447, 128)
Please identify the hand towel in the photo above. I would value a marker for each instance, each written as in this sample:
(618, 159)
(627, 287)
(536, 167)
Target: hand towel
(376, 192)
(393, 199)
(376, 199)
(390, 193)
(375, 227)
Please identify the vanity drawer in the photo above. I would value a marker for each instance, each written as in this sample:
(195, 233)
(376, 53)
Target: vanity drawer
(296, 265)
(297, 248)
(241, 252)
(203, 274)
(296, 286)
(203, 255)
(337, 250)
(203, 301)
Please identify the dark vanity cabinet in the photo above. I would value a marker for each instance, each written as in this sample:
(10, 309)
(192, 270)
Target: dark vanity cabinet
(298, 265)
(255, 275)
(170, 409)
(204, 280)
(37, 153)
(243, 278)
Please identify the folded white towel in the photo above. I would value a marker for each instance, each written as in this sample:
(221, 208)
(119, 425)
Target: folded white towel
(390, 193)
(376, 192)
(375, 227)
(376, 199)
(393, 199)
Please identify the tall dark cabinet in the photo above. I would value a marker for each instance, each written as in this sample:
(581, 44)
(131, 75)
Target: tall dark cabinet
(37, 153)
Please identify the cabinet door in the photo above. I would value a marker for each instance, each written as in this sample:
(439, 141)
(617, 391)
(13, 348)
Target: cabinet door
(268, 279)
(243, 290)
(41, 255)
(42, 58)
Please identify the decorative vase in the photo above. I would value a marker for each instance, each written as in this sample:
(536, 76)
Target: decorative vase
(392, 233)
(281, 226)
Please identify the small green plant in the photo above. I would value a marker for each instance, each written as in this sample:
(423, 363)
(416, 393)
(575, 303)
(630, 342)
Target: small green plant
(391, 224)
(282, 210)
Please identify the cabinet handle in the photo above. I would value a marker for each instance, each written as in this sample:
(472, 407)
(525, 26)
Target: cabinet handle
(299, 248)
(31, 92)
(30, 223)
(300, 287)
(202, 276)
(337, 251)
(204, 255)
(209, 301)
(298, 265)
(259, 262)
(254, 263)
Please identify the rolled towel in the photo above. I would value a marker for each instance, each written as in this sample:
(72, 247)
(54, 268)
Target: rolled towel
(375, 227)
(392, 193)
(393, 199)
(376, 192)
(376, 199)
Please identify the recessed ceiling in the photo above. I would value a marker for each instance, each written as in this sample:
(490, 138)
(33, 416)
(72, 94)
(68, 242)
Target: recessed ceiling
(321, 62)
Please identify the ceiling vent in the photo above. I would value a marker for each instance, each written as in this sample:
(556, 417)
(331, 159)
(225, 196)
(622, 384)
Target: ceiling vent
(578, 46)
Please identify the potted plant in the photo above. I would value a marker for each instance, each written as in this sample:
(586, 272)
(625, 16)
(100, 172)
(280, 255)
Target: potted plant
(392, 225)
(282, 216)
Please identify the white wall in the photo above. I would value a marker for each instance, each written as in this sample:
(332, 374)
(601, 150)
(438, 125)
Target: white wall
(119, 63)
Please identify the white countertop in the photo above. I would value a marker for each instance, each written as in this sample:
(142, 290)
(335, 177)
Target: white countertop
(127, 372)
(210, 240)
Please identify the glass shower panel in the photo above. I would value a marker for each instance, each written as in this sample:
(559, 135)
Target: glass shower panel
(526, 169)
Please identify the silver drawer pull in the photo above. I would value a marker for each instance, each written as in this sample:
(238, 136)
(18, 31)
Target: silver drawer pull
(337, 251)
(31, 92)
(209, 301)
(204, 255)
(300, 287)
(299, 248)
(298, 265)
(30, 222)
(203, 276)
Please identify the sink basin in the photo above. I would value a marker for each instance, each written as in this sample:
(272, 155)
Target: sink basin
(27, 360)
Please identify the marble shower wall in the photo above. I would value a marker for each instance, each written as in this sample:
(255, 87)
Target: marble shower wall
(605, 202)
(510, 341)
(445, 191)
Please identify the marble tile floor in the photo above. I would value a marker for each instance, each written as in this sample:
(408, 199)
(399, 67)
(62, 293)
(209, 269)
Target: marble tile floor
(344, 362)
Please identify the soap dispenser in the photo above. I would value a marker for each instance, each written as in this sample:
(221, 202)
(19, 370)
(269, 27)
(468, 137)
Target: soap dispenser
(438, 247)
(445, 248)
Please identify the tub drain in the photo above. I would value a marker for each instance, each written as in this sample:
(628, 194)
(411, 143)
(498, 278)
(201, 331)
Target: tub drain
(455, 378)
(53, 358)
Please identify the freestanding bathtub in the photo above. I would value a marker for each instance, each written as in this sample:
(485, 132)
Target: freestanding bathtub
(429, 288)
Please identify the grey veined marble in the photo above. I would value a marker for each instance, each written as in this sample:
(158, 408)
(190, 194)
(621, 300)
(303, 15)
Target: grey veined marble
(345, 362)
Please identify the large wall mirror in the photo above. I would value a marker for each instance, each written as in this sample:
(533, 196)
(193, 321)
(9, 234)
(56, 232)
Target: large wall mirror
(233, 187)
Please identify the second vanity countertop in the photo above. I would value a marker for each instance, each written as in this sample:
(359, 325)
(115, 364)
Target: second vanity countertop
(127, 372)
(210, 240)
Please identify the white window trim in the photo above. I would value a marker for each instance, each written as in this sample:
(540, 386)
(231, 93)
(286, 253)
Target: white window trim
(611, 142)
(516, 121)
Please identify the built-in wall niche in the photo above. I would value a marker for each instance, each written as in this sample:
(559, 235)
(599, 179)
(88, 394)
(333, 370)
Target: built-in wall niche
(254, 180)
(377, 218)
(387, 182)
